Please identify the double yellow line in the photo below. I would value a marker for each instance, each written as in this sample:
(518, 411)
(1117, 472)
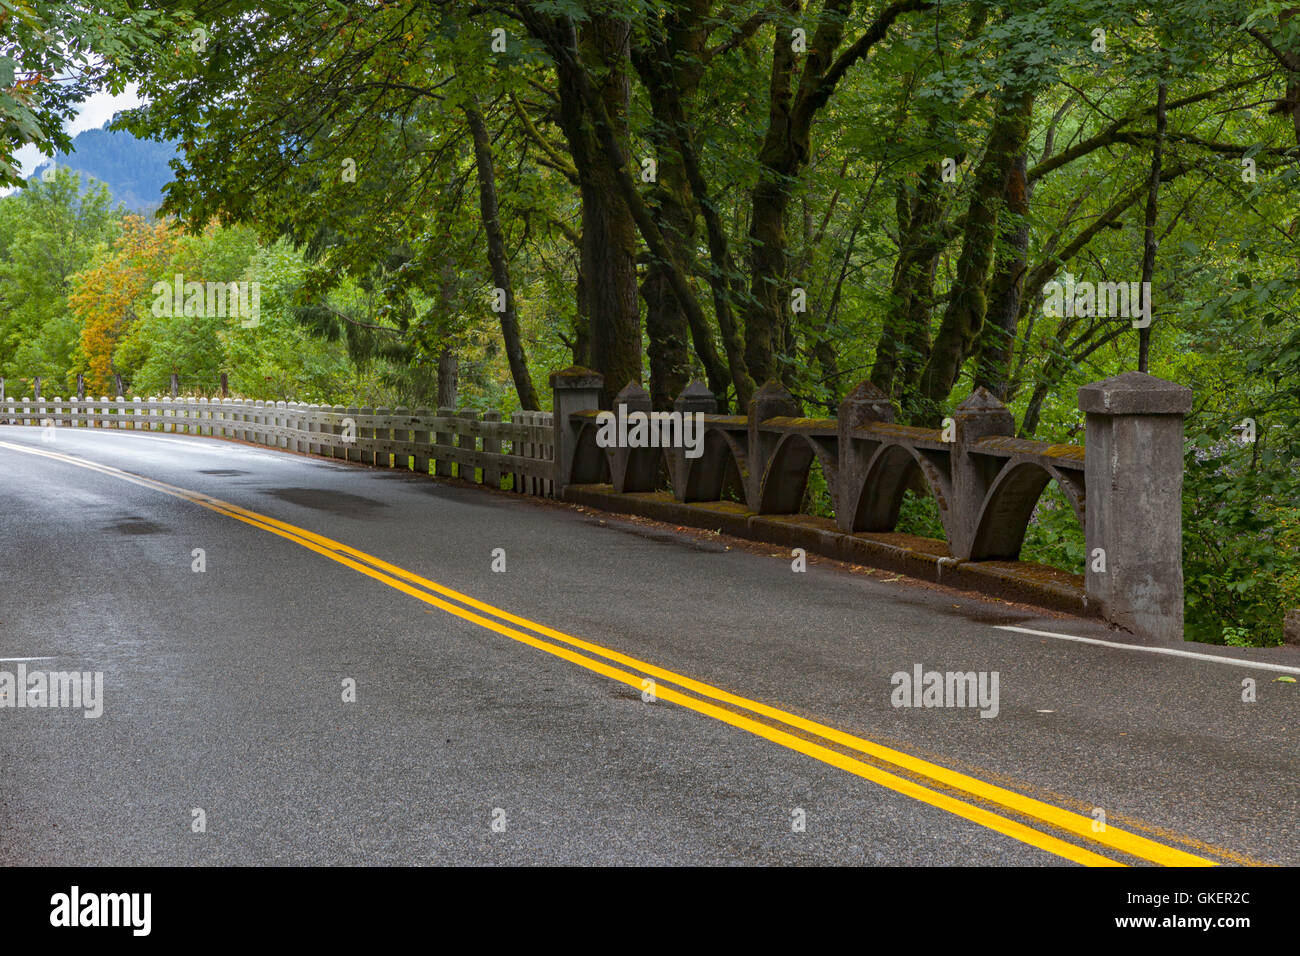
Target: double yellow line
(739, 712)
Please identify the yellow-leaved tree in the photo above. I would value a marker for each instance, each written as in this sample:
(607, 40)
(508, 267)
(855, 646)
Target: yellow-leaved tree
(114, 292)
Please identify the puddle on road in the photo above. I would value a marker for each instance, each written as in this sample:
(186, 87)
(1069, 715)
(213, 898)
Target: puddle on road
(134, 524)
(339, 503)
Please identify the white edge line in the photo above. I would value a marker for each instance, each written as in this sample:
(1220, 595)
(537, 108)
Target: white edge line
(1154, 650)
(5, 660)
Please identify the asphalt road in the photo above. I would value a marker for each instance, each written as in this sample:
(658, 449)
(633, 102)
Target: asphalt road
(223, 689)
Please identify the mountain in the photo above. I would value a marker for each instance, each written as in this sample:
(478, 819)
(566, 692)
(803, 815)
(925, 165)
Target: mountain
(135, 170)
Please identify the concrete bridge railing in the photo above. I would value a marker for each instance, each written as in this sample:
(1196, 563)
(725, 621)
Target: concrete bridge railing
(1124, 485)
(452, 442)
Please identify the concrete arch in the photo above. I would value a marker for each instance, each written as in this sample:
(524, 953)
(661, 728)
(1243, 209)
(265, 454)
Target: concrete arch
(590, 462)
(891, 471)
(782, 485)
(641, 468)
(1008, 507)
(706, 478)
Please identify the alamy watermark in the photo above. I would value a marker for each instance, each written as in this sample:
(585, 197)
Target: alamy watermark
(1104, 300)
(66, 689)
(241, 300)
(923, 688)
(130, 910)
(651, 430)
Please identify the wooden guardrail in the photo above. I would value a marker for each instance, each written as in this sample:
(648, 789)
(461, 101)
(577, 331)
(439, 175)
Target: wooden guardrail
(454, 442)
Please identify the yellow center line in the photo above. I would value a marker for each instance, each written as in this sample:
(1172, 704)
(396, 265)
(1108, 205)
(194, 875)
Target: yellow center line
(403, 580)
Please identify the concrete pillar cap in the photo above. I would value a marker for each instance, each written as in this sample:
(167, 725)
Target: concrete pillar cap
(980, 401)
(696, 397)
(1135, 393)
(575, 376)
(632, 394)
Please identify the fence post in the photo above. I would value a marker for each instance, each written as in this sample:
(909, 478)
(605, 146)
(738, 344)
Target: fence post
(366, 434)
(307, 421)
(442, 468)
(383, 436)
(401, 438)
(420, 438)
(336, 429)
(519, 448)
(491, 446)
(575, 389)
(468, 442)
(1133, 471)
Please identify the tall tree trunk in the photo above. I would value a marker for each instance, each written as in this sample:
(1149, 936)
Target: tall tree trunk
(609, 243)
(766, 311)
(968, 303)
(784, 152)
(723, 269)
(668, 59)
(904, 341)
(496, 244)
(994, 347)
(448, 373)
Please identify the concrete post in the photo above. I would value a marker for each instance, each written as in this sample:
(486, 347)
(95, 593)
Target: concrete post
(420, 438)
(337, 449)
(633, 469)
(770, 401)
(468, 443)
(1133, 469)
(366, 434)
(695, 399)
(401, 438)
(575, 389)
(491, 446)
(382, 436)
(864, 405)
(442, 466)
(979, 416)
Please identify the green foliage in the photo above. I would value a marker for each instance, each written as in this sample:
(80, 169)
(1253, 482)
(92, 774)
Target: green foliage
(55, 53)
(919, 514)
(1054, 536)
(48, 233)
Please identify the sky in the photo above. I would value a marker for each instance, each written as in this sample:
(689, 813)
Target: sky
(91, 114)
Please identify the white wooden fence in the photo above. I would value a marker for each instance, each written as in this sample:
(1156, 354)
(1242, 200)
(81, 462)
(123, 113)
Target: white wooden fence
(457, 443)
